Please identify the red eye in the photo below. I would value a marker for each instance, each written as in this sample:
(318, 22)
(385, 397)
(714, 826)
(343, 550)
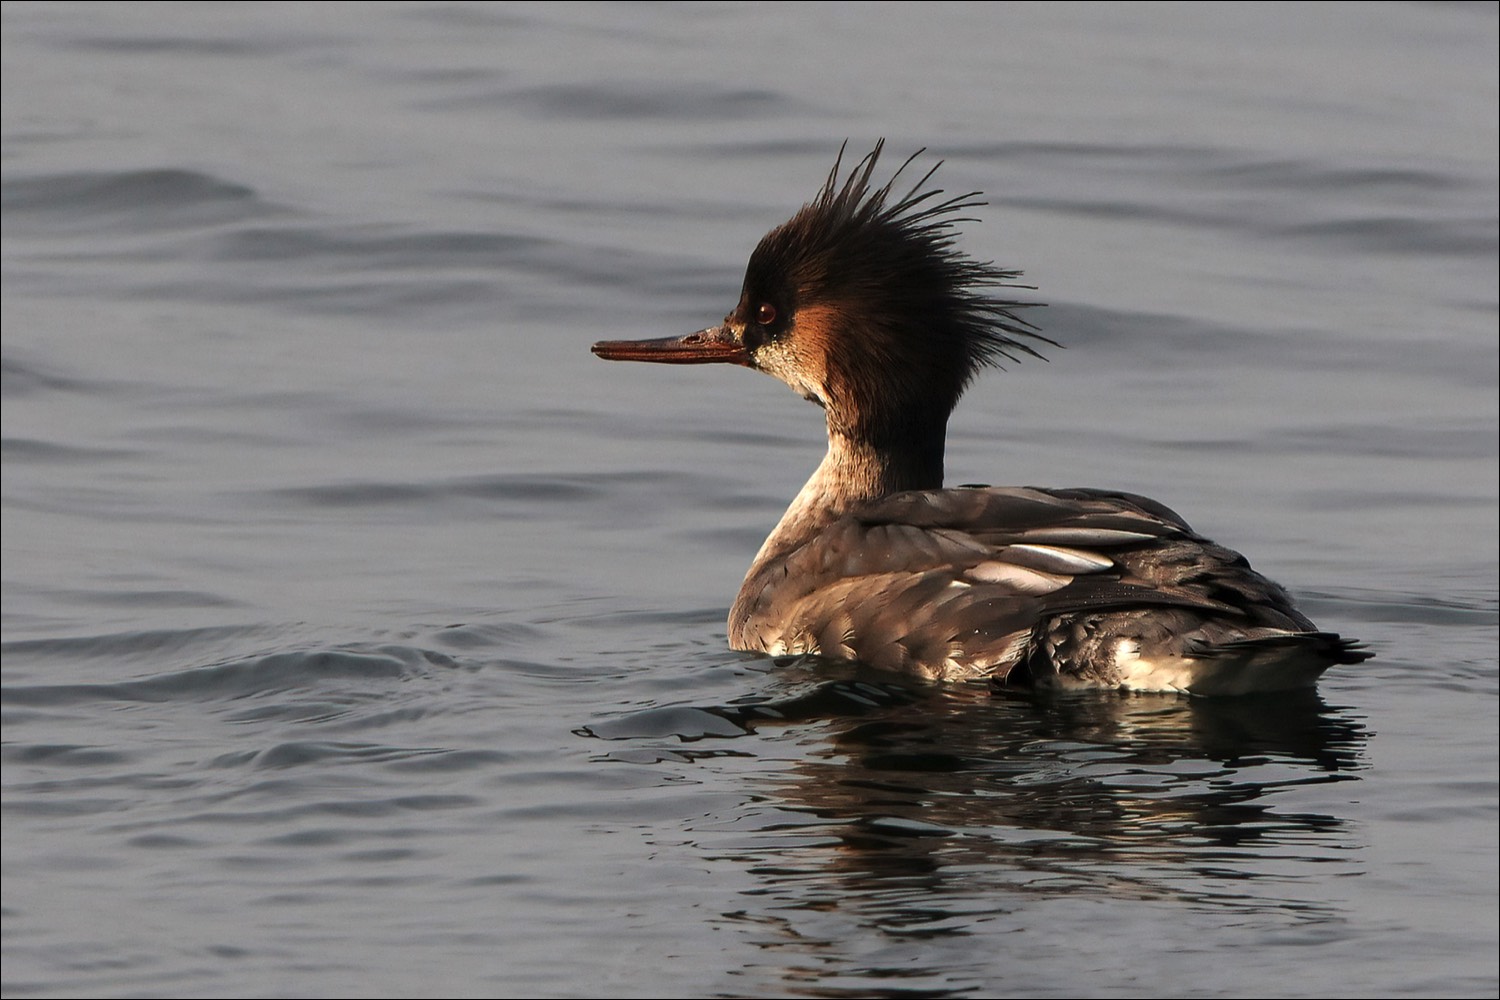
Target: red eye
(766, 314)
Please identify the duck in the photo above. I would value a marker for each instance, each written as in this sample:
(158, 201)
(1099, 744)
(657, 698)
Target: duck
(864, 304)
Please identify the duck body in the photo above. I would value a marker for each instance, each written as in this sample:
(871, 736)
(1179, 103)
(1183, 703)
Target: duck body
(862, 304)
(1063, 588)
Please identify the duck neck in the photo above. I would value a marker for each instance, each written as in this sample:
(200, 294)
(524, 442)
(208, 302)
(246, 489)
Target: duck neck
(858, 468)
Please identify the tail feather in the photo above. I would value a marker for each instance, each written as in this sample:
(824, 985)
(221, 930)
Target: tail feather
(1329, 645)
(1180, 650)
(1277, 661)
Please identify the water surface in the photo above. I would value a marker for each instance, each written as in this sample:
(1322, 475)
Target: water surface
(363, 635)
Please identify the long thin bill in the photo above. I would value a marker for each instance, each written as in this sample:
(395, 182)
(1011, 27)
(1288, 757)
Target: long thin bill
(716, 345)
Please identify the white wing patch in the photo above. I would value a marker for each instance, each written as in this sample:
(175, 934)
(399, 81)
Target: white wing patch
(1019, 578)
(1086, 536)
(1054, 559)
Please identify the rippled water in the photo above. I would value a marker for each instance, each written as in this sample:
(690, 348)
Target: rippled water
(363, 635)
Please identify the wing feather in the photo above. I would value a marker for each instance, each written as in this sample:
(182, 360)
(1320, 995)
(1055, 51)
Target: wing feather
(958, 582)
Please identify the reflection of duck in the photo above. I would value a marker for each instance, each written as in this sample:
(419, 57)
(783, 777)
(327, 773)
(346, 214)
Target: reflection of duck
(1003, 790)
(862, 304)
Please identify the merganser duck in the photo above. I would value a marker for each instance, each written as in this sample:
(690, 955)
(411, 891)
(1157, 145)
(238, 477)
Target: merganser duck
(862, 304)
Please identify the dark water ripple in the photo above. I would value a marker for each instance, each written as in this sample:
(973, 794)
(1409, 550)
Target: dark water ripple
(134, 201)
(278, 672)
(611, 101)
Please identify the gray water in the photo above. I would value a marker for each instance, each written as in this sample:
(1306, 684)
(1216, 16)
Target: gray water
(364, 635)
